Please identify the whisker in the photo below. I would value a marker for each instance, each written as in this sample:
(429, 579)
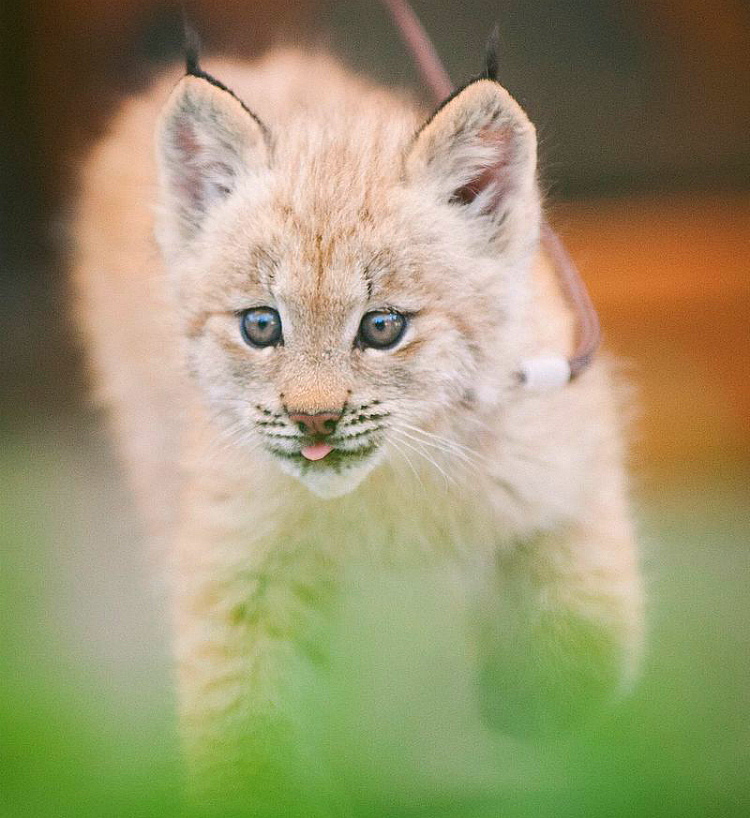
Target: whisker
(426, 457)
(408, 461)
(229, 440)
(335, 440)
(453, 444)
(444, 449)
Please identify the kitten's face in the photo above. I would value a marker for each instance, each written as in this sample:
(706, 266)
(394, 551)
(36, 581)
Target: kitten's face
(335, 323)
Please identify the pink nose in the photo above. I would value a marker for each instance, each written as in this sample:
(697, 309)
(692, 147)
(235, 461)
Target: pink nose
(319, 425)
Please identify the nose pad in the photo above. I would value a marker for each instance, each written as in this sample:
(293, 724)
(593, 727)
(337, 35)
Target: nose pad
(317, 425)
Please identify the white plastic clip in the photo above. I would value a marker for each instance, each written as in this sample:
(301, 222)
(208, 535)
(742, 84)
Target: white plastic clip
(545, 372)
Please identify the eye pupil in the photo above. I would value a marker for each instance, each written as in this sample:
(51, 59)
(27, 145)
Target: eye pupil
(381, 329)
(261, 327)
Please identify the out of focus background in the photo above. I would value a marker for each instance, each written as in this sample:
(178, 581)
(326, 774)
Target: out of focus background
(643, 110)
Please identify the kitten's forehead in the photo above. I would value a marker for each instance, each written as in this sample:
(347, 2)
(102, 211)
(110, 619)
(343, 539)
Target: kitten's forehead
(334, 224)
(338, 244)
(322, 266)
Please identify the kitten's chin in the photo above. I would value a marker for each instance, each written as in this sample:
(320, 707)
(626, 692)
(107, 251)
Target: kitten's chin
(328, 481)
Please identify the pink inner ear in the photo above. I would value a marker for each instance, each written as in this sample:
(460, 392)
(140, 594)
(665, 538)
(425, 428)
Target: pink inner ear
(198, 172)
(497, 173)
(187, 178)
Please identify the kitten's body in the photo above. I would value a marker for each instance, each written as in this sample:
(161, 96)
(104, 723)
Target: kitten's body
(532, 483)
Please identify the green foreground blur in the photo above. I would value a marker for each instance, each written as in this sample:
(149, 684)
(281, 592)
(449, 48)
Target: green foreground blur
(86, 714)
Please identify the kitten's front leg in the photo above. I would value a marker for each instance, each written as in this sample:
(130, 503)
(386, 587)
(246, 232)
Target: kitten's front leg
(563, 630)
(245, 639)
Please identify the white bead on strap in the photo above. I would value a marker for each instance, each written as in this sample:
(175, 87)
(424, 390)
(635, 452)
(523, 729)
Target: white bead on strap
(544, 372)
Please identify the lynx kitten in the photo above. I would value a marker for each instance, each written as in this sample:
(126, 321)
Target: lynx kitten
(305, 316)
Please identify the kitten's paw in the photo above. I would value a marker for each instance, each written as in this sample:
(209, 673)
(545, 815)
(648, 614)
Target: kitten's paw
(568, 674)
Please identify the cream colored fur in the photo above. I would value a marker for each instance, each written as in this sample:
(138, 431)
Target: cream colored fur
(523, 493)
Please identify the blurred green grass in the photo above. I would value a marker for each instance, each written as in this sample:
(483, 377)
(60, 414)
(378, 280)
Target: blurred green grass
(86, 714)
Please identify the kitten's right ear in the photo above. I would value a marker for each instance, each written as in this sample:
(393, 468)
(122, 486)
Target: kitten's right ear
(478, 153)
(207, 142)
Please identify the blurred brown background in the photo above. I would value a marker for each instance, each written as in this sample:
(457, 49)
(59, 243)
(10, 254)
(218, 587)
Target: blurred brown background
(643, 110)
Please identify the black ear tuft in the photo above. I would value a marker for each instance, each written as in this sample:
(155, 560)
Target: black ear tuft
(192, 47)
(490, 68)
(193, 68)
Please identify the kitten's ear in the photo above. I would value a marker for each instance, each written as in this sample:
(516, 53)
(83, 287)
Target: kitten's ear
(478, 152)
(207, 142)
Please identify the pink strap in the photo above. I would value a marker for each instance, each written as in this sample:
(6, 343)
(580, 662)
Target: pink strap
(589, 333)
(422, 50)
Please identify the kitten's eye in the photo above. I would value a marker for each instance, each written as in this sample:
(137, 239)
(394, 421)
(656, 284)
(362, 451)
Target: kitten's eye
(261, 327)
(381, 329)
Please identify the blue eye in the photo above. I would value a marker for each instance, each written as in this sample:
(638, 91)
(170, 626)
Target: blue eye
(261, 327)
(381, 329)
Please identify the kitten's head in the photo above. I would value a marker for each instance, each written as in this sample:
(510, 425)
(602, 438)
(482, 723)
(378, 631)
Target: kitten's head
(348, 280)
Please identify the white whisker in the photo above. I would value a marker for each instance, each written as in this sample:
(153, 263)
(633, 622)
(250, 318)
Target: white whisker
(408, 460)
(457, 453)
(453, 444)
(424, 455)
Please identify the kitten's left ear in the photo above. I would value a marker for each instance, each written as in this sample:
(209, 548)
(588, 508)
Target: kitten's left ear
(207, 141)
(478, 152)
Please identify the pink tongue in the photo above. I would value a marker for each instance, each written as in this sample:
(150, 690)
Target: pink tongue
(316, 452)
